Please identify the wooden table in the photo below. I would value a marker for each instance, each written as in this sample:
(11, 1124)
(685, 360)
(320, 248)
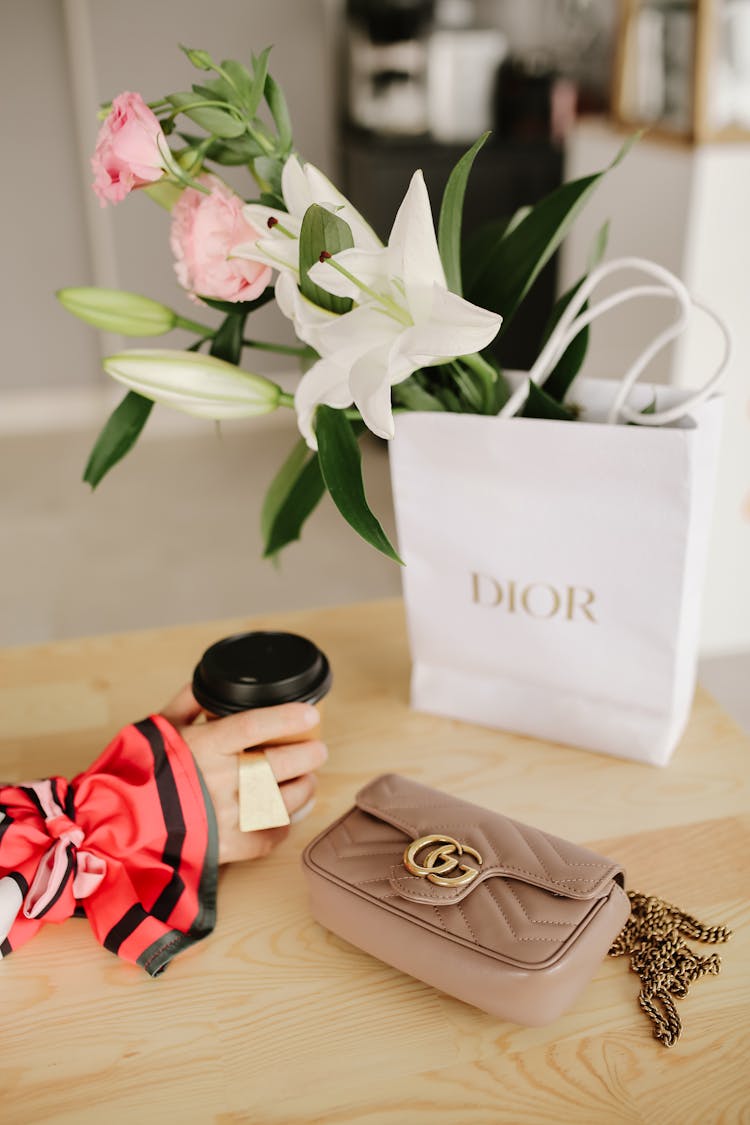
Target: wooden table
(274, 1020)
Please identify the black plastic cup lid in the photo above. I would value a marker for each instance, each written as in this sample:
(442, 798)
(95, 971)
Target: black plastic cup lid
(259, 670)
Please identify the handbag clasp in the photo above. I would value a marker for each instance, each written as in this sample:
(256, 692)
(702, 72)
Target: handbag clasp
(441, 860)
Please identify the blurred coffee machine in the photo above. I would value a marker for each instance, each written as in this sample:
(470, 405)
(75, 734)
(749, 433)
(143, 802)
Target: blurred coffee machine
(387, 65)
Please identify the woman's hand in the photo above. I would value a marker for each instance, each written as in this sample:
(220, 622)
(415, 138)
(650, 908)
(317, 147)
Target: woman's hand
(216, 747)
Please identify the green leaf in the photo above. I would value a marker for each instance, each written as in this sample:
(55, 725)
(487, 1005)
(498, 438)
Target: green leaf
(276, 103)
(451, 215)
(270, 168)
(541, 405)
(211, 118)
(118, 437)
(598, 246)
(321, 231)
(341, 466)
(514, 262)
(258, 86)
(240, 150)
(570, 362)
(480, 245)
(240, 82)
(215, 90)
(413, 397)
(293, 495)
(234, 308)
(227, 343)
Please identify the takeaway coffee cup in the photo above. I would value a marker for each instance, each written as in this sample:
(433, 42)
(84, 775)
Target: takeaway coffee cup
(260, 669)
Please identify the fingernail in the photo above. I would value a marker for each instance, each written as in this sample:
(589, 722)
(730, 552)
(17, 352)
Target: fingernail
(301, 813)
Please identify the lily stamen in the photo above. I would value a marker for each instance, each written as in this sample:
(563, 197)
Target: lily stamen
(274, 224)
(388, 305)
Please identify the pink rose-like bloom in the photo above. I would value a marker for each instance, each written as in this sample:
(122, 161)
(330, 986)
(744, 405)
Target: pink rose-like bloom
(127, 149)
(205, 231)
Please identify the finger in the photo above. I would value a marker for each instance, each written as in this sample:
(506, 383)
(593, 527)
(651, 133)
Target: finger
(296, 759)
(299, 792)
(265, 724)
(183, 708)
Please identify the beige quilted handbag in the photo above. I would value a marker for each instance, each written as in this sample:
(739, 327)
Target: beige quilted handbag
(501, 915)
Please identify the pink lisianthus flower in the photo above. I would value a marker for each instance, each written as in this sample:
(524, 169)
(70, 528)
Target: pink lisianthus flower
(206, 229)
(127, 153)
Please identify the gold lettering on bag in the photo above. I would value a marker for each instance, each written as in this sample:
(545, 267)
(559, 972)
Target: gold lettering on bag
(540, 600)
(440, 861)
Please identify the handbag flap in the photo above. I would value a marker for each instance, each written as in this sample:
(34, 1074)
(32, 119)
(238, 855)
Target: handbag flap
(507, 848)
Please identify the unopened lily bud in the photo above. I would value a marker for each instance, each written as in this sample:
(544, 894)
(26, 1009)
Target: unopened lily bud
(117, 310)
(196, 384)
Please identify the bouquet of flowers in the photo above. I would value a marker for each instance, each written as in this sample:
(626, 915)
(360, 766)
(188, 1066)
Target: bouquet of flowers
(383, 328)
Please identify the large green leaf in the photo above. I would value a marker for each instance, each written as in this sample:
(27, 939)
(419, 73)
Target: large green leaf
(118, 437)
(341, 466)
(570, 362)
(227, 343)
(541, 405)
(213, 119)
(451, 216)
(292, 495)
(479, 246)
(322, 231)
(514, 261)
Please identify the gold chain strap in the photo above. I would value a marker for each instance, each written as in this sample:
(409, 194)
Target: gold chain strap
(653, 938)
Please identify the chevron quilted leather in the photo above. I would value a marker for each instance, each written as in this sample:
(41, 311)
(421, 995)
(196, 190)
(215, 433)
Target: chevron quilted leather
(537, 902)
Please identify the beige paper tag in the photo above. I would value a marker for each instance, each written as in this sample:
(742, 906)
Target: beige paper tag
(261, 803)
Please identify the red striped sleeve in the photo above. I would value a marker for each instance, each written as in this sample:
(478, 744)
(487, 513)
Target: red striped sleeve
(144, 810)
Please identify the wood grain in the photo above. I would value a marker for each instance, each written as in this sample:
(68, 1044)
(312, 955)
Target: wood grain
(272, 1020)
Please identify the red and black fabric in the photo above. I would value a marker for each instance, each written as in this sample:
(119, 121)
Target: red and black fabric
(132, 842)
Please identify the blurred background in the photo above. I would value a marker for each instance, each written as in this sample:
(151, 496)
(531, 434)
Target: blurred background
(376, 88)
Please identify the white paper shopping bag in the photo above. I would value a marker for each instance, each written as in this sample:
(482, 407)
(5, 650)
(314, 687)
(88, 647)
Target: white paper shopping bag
(554, 569)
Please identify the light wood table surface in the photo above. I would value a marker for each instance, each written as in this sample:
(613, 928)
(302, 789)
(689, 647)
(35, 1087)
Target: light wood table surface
(274, 1020)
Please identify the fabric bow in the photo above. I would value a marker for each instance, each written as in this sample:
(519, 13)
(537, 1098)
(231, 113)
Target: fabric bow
(131, 842)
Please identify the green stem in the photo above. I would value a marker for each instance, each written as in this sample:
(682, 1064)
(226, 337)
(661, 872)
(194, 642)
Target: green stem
(468, 389)
(201, 330)
(487, 376)
(387, 304)
(281, 349)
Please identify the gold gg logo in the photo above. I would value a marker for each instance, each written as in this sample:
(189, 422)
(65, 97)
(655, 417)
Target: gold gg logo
(441, 860)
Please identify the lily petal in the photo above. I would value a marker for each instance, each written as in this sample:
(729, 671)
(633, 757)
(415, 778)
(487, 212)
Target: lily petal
(193, 383)
(306, 316)
(454, 327)
(413, 246)
(295, 188)
(325, 383)
(324, 192)
(350, 336)
(279, 252)
(370, 267)
(371, 389)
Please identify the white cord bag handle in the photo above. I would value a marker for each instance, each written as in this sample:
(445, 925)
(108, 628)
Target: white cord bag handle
(573, 320)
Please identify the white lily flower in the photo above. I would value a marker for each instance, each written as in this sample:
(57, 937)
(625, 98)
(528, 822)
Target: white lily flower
(196, 384)
(301, 186)
(405, 319)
